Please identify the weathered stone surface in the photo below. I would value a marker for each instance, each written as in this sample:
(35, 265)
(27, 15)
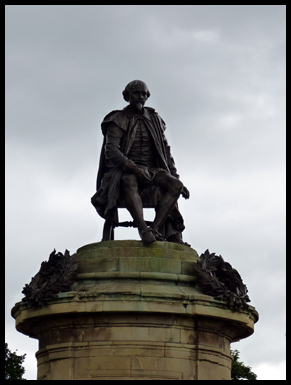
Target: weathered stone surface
(134, 313)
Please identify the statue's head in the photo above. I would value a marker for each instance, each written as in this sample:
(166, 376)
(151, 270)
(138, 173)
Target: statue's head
(136, 93)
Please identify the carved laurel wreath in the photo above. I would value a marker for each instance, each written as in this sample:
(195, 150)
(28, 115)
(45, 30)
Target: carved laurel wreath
(215, 277)
(55, 276)
(218, 279)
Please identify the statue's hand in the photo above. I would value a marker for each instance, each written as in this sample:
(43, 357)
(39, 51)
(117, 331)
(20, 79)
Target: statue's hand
(185, 193)
(131, 167)
(141, 174)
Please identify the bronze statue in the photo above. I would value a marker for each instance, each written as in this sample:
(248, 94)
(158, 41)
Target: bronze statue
(137, 170)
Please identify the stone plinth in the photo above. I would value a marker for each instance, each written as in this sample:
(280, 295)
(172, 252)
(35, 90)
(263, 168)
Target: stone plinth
(134, 313)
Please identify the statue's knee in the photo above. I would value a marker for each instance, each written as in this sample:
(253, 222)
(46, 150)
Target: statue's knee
(176, 188)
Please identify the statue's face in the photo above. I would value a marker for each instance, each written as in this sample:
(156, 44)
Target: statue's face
(138, 96)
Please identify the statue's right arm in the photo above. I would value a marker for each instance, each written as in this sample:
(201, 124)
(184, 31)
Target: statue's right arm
(113, 154)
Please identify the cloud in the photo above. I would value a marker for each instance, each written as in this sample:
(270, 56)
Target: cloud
(269, 371)
(217, 77)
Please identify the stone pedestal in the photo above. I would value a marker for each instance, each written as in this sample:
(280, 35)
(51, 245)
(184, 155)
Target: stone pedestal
(134, 313)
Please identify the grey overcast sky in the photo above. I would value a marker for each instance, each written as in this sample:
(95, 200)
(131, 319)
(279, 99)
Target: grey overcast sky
(217, 77)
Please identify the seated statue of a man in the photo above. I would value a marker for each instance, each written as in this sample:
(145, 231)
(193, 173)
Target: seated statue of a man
(137, 170)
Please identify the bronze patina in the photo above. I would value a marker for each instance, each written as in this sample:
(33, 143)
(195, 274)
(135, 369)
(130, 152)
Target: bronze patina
(137, 170)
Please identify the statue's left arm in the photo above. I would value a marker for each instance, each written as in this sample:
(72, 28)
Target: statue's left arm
(185, 192)
(171, 164)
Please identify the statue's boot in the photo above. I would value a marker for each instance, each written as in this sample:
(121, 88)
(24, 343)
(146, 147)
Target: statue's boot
(147, 235)
(158, 235)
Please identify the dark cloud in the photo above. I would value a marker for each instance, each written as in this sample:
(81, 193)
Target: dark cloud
(216, 74)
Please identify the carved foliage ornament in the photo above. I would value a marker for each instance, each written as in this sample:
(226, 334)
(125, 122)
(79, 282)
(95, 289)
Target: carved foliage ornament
(55, 276)
(218, 279)
(215, 277)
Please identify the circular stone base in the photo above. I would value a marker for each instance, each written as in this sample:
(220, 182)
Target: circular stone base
(134, 312)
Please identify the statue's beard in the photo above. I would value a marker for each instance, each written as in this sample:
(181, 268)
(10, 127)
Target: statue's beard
(139, 106)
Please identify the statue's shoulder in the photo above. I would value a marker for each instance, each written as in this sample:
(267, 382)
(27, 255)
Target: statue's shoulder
(112, 116)
(151, 112)
(118, 117)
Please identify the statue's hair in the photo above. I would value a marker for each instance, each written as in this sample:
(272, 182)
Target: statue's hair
(130, 87)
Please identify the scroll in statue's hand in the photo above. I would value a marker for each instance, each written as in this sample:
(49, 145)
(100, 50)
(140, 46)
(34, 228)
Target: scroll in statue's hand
(185, 193)
(142, 175)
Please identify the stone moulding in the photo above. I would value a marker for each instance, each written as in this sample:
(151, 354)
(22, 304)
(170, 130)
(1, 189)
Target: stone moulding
(134, 312)
(137, 275)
